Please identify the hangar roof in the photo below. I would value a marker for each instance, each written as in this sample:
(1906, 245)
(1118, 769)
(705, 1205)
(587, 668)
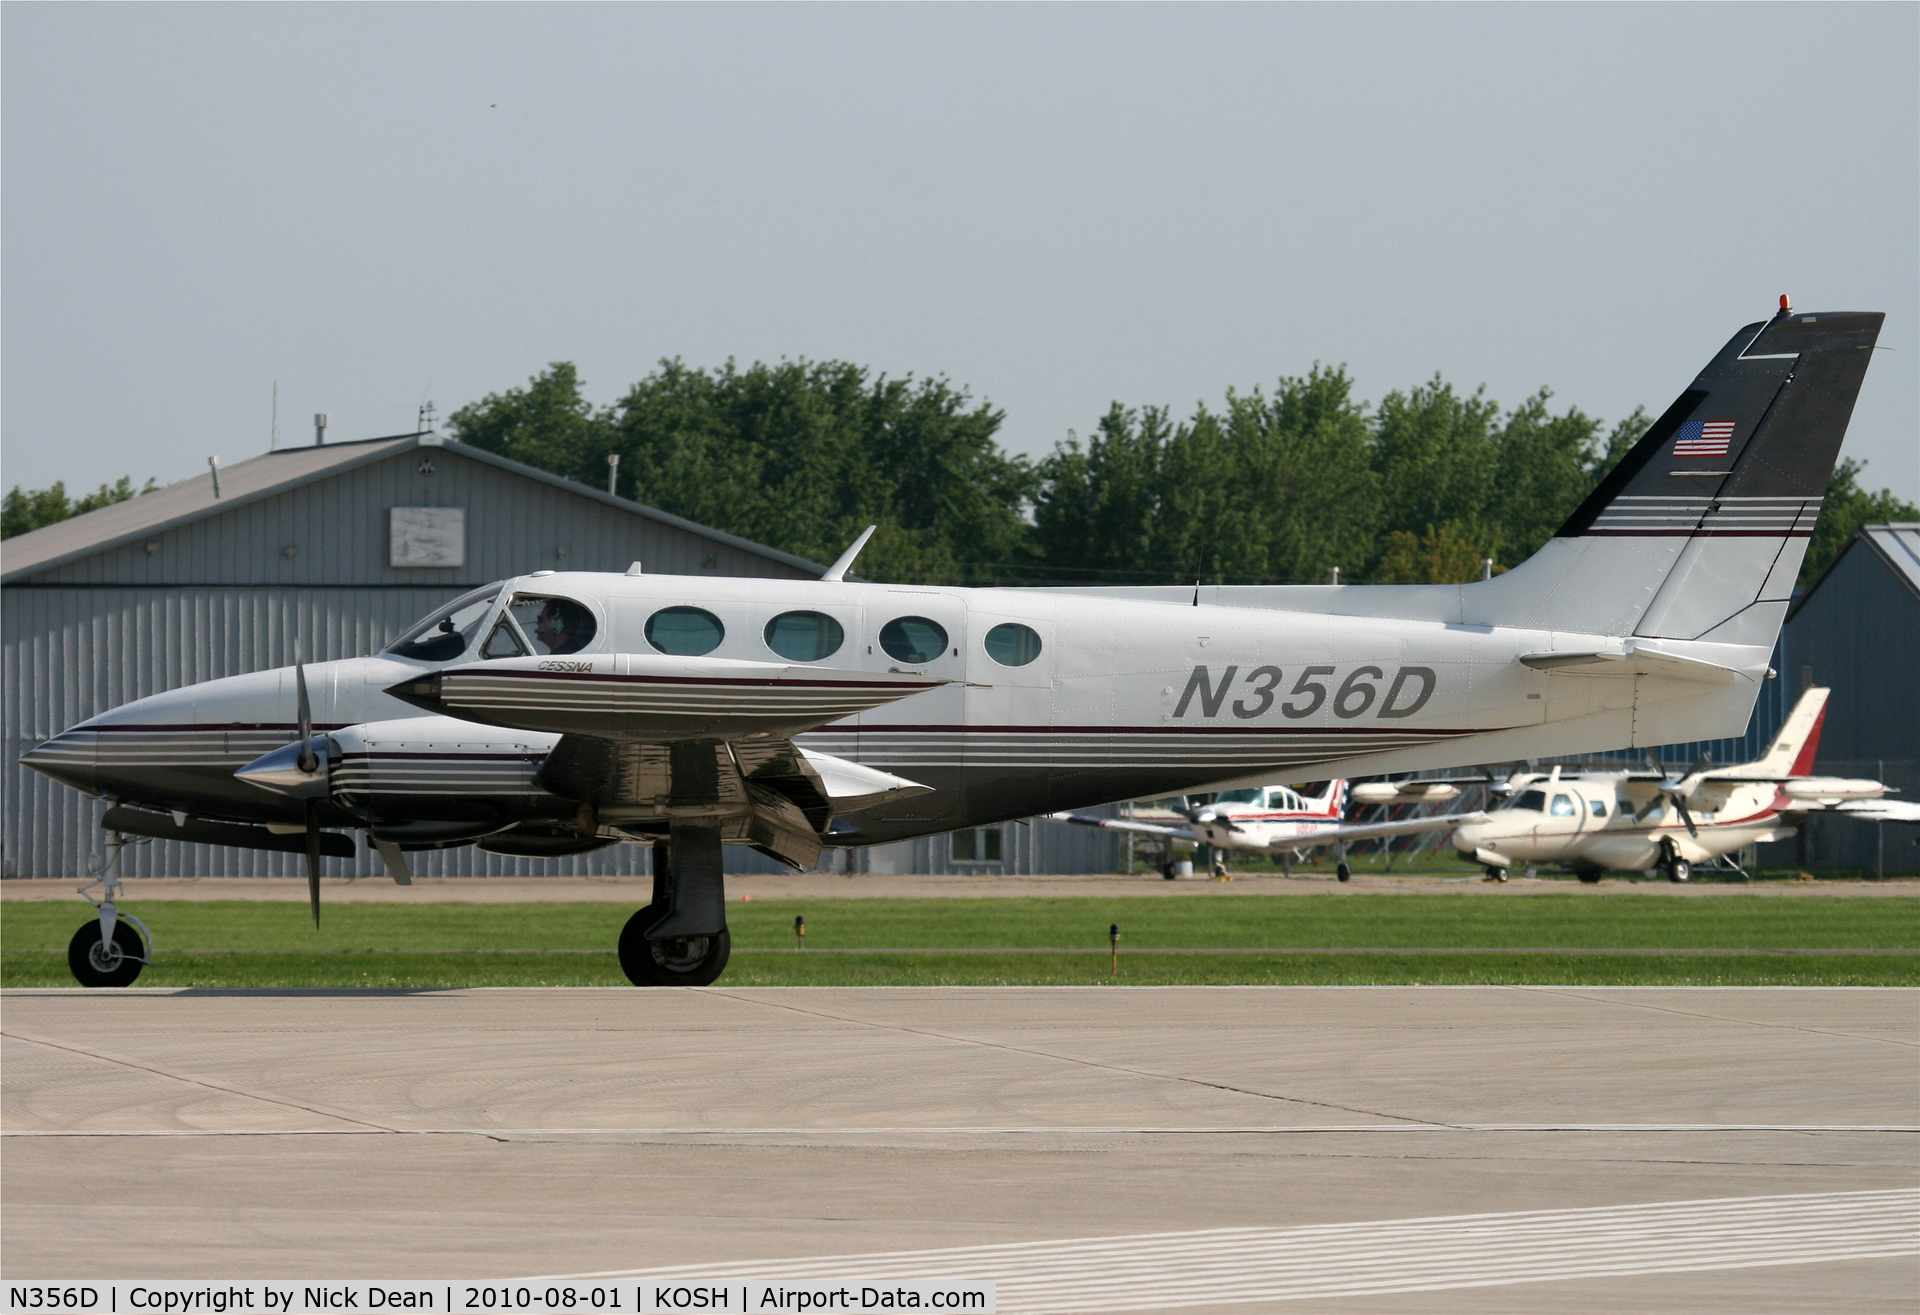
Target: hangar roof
(1896, 543)
(275, 472)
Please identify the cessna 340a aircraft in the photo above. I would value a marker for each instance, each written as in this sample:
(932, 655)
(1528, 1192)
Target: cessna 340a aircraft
(1637, 821)
(1278, 820)
(555, 713)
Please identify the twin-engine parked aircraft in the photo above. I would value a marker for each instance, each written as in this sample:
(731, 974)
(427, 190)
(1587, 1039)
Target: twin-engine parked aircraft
(555, 713)
(1279, 820)
(1637, 821)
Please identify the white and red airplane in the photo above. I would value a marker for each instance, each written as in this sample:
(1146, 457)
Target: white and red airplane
(1279, 820)
(1637, 821)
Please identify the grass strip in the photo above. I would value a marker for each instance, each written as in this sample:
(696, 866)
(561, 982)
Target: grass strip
(445, 970)
(1378, 921)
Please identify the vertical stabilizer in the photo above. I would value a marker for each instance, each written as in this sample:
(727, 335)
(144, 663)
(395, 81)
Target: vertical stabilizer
(1793, 749)
(1699, 532)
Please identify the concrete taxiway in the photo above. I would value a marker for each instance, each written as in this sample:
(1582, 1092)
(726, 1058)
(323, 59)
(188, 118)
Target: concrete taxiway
(1649, 1148)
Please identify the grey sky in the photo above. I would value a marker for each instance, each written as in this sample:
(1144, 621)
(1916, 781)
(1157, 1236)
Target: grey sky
(1055, 206)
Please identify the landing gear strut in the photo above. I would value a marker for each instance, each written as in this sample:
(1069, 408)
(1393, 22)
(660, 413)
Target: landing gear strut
(107, 951)
(680, 939)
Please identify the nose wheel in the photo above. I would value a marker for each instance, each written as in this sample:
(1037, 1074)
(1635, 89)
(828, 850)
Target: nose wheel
(96, 962)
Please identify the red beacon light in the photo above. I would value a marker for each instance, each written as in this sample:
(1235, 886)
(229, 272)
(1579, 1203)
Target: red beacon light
(1786, 303)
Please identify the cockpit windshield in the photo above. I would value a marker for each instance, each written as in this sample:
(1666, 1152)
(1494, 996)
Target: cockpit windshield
(1237, 797)
(444, 633)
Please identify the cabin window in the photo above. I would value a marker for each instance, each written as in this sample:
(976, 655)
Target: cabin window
(685, 631)
(1599, 807)
(980, 844)
(443, 634)
(1533, 801)
(804, 636)
(504, 642)
(1012, 644)
(1563, 806)
(554, 626)
(913, 639)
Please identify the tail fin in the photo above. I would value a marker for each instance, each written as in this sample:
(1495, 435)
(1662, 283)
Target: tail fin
(1794, 748)
(1699, 532)
(1331, 803)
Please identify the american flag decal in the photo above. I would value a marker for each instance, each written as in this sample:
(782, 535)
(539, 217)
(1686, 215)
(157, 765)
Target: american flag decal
(1703, 438)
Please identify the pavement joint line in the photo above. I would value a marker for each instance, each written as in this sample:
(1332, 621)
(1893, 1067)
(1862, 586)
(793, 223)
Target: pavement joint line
(1043, 1130)
(1072, 1059)
(1576, 993)
(209, 1085)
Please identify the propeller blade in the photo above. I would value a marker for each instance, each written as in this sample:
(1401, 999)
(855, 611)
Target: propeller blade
(313, 859)
(308, 763)
(1680, 806)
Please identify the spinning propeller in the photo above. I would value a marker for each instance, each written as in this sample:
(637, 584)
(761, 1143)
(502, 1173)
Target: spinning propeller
(309, 763)
(1677, 788)
(1207, 815)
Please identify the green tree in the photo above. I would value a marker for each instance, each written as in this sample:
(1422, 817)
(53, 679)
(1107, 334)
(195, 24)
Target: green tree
(801, 456)
(546, 424)
(1846, 509)
(29, 509)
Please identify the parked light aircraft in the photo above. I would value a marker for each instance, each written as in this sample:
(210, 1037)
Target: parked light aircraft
(1637, 821)
(556, 713)
(1279, 820)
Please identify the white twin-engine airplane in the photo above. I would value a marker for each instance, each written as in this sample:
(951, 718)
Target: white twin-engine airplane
(1636, 821)
(555, 713)
(1279, 820)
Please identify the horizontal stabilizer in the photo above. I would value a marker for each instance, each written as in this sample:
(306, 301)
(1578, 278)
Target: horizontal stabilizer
(1636, 659)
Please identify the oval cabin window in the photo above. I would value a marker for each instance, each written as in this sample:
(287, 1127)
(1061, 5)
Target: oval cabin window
(804, 636)
(913, 639)
(685, 631)
(1012, 644)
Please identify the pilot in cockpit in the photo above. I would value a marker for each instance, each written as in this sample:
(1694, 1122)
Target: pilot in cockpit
(563, 626)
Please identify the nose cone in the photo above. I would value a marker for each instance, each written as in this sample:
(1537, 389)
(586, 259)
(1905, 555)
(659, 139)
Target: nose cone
(1468, 838)
(280, 771)
(71, 758)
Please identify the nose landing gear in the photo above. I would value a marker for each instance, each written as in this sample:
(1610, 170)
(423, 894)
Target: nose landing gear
(107, 951)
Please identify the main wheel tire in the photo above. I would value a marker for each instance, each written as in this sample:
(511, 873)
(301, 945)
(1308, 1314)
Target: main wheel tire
(688, 961)
(1343, 872)
(1590, 878)
(95, 963)
(1679, 870)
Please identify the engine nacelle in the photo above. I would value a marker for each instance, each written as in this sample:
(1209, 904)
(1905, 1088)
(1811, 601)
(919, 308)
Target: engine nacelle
(1402, 792)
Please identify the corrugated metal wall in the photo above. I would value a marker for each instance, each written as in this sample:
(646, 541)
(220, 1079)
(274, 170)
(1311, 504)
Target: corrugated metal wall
(228, 593)
(1859, 634)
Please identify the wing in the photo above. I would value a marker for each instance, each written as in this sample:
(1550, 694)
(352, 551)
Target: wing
(1871, 810)
(770, 794)
(1343, 834)
(1121, 824)
(651, 741)
(653, 697)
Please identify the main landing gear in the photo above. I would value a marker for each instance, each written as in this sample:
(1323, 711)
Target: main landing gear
(1678, 869)
(680, 939)
(107, 951)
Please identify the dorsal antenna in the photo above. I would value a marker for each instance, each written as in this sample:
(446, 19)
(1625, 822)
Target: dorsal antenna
(838, 571)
